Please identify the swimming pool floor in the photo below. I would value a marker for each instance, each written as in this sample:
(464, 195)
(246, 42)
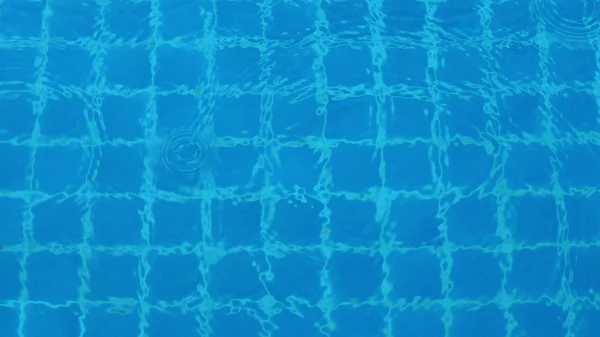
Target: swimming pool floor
(299, 168)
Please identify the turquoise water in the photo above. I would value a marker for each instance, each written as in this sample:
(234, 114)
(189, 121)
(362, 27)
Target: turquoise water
(299, 168)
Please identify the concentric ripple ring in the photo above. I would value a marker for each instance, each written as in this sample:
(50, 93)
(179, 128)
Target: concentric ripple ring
(577, 29)
(185, 152)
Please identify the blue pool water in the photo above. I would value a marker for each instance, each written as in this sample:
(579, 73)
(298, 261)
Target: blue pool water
(283, 168)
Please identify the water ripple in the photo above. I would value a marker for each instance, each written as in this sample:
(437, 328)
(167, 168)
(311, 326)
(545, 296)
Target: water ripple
(573, 22)
(186, 152)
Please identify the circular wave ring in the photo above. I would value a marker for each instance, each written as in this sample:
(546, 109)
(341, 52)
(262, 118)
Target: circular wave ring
(185, 152)
(569, 30)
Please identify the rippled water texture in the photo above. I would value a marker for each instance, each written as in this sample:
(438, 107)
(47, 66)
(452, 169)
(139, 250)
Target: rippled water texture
(185, 152)
(574, 22)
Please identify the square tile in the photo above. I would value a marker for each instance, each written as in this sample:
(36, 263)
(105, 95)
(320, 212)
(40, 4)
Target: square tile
(137, 62)
(46, 320)
(9, 321)
(349, 161)
(70, 65)
(65, 117)
(352, 222)
(532, 219)
(181, 18)
(22, 19)
(352, 119)
(223, 323)
(17, 116)
(53, 279)
(470, 167)
(347, 17)
(288, 269)
(282, 28)
(121, 168)
(65, 175)
(175, 111)
(517, 62)
(415, 221)
(512, 19)
(408, 167)
(418, 322)
(123, 116)
(355, 276)
(410, 118)
(520, 114)
(59, 221)
(129, 20)
(238, 65)
(414, 273)
(239, 18)
(238, 116)
(18, 65)
(462, 66)
(237, 224)
(294, 119)
(289, 323)
(527, 166)
(177, 222)
(567, 71)
(341, 59)
(295, 65)
(575, 111)
(579, 166)
(236, 276)
(72, 20)
(173, 322)
(406, 66)
(463, 116)
(179, 67)
(298, 222)
(11, 220)
(468, 322)
(102, 321)
(298, 167)
(11, 283)
(404, 17)
(539, 320)
(117, 221)
(236, 166)
(475, 275)
(535, 273)
(585, 274)
(114, 276)
(365, 320)
(14, 176)
(464, 14)
(473, 221)
(166, 280)
(583, 217)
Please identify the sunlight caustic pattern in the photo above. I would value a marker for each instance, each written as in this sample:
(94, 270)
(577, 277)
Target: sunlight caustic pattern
(299, 168)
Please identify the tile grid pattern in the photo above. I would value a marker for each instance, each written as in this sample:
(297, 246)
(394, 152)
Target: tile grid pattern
(402, 301)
